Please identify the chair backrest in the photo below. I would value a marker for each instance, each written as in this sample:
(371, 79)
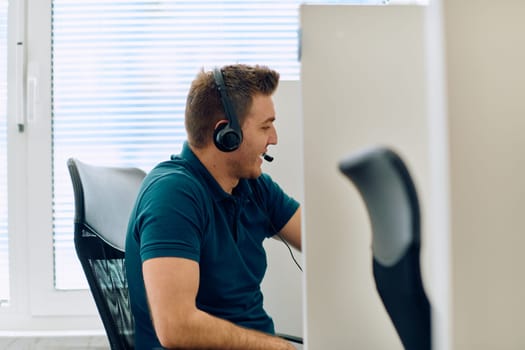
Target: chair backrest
(104, 198)
(389, 193)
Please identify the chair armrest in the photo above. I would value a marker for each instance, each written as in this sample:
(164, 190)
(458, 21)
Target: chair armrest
(291, 338)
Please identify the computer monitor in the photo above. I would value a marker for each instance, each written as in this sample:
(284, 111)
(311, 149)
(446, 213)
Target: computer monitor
(366, 80)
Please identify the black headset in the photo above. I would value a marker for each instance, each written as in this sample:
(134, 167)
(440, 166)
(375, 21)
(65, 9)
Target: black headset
(227, 136)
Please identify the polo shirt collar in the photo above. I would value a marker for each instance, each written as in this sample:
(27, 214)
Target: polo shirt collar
(242, 189)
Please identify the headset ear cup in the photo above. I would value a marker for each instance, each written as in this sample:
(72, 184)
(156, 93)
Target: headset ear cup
(228, 134)
(226, 138)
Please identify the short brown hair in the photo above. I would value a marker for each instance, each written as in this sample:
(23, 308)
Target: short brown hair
(203, 105)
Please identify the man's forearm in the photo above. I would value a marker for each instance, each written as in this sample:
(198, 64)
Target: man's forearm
(204, 331)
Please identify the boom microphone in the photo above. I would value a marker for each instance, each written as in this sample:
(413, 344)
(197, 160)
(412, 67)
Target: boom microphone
(267, 157)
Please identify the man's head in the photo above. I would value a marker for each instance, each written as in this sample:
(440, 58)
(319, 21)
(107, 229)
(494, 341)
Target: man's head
(204, 109)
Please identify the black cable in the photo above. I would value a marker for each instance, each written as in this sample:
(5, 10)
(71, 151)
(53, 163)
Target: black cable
(289, 249)
(258, 204)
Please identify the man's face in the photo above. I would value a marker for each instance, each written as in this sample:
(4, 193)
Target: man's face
(258, 132)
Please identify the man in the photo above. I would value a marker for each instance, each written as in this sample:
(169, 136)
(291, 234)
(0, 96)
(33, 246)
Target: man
(194, 253)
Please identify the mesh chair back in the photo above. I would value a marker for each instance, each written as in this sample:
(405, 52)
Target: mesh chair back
(104, 198)
(387, 188)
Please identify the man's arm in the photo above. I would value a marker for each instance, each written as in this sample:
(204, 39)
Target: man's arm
(171, 287)
(291, 232)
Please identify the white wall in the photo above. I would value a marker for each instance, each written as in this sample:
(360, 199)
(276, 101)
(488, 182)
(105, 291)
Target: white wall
(283, 286)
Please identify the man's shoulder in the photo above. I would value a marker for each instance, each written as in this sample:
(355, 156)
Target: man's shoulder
(172, 175)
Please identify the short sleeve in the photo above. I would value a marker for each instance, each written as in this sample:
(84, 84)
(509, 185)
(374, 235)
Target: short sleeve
(279, 206)
(171, 218)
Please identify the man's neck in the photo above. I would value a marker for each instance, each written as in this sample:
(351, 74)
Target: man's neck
(214, 161)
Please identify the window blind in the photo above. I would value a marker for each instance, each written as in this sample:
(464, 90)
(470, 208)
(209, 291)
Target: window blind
(121, 71)
(4, 256)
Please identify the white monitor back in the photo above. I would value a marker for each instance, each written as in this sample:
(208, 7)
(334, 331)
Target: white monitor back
(368, 78)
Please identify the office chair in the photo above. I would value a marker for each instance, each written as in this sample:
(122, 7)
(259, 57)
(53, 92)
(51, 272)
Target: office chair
(104, 197)
(385, 184)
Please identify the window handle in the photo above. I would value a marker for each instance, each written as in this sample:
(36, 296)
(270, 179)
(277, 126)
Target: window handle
(20, 66)
(20, 86)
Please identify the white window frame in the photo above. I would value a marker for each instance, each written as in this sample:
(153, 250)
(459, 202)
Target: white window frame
(34, 303)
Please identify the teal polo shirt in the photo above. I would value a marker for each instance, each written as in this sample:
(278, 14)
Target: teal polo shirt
(181, 211)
